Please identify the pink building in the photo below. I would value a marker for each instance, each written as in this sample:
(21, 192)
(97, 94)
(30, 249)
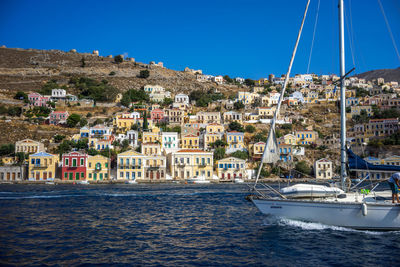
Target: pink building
(58, 117)
(36, 99)
(157, 115)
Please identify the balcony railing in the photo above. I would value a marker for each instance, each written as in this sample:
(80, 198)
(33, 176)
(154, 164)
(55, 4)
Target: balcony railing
(98, 168)
(40, 166)
(181, 165)
(153, 167)
(130, 167)
(202, 165)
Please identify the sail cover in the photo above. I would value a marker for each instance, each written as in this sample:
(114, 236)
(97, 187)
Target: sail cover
(271, 152)
(357, 163)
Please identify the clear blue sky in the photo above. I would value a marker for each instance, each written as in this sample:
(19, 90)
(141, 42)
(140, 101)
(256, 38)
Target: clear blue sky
(246, 38)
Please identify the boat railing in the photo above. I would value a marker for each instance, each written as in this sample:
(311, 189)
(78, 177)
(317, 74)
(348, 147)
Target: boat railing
(265, 190)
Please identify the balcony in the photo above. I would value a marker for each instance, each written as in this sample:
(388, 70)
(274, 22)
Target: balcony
(97, 168)
(153, 167)
(181, 165)
(129, 167)
(202, 165)
(39, 166)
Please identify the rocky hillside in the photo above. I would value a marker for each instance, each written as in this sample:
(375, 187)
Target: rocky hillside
(29, 69)
(388, 74)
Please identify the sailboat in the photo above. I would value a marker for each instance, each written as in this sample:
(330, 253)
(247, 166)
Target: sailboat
(329, 205)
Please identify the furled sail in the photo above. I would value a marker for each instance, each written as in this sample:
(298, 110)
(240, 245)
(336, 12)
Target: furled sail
(357, 163)
(271, 151)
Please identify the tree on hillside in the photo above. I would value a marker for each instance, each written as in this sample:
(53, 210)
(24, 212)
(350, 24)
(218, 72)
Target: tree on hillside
(145, 123)
(238, 105)
(250, 129)
(83, 63)
(235, 126)
(119, 59)
(228, 79)
(302, 167)
(73, 120)
(249, 82)
(144, 74)
(240, 154)
(219, 153)
(21, 96)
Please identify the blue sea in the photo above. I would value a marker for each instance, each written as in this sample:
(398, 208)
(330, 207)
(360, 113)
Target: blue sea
(170, 225)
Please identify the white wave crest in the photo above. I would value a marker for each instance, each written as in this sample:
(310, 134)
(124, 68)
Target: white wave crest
(320, 227)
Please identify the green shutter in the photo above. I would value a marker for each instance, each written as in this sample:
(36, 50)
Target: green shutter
(77, 176)
(101, 176)
(65, 175)
(71, 176)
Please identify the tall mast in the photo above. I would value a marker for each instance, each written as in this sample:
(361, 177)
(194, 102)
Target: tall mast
(343, 174)
(272, 129)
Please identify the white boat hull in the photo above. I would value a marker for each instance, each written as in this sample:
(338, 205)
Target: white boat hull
(351, 215)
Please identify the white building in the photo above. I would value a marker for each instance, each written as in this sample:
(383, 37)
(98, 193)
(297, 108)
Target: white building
(169, 141)
(218, 79)
(182, 98)
(323, 169)
(157, 93)
(239, 80)
(58, 93)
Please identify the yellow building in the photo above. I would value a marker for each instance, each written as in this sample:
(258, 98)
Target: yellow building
(306, 137)
(42, 166)
(230, 168)
(210, 138)
(189, 163)
(97, 168)
(253, 117)
(150, 137)
(130, 165)
(356, 110)
(247, 97)
(123, 123)
(151, 149)
(190, 141)
(209, 117)
(155, 168)
(235, 141)
(266, 112)
(8, 160)
(215, 128)
(256, 150)
(290, 139)
(29, 146)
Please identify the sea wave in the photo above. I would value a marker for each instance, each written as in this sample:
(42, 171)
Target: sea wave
(321, 227)
(38, 197)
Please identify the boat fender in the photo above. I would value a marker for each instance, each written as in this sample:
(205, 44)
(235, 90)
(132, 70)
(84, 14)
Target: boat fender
(364, 209)
(341, 196)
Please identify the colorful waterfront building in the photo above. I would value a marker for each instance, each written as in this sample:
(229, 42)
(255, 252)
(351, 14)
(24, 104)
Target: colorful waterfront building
(74, 166)
(97, 168)
(188, 163)
(130, 165)
(42, 166)
(230, 168)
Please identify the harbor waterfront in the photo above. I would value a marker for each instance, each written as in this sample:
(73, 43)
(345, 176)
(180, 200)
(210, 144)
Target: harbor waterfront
(176, 224)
